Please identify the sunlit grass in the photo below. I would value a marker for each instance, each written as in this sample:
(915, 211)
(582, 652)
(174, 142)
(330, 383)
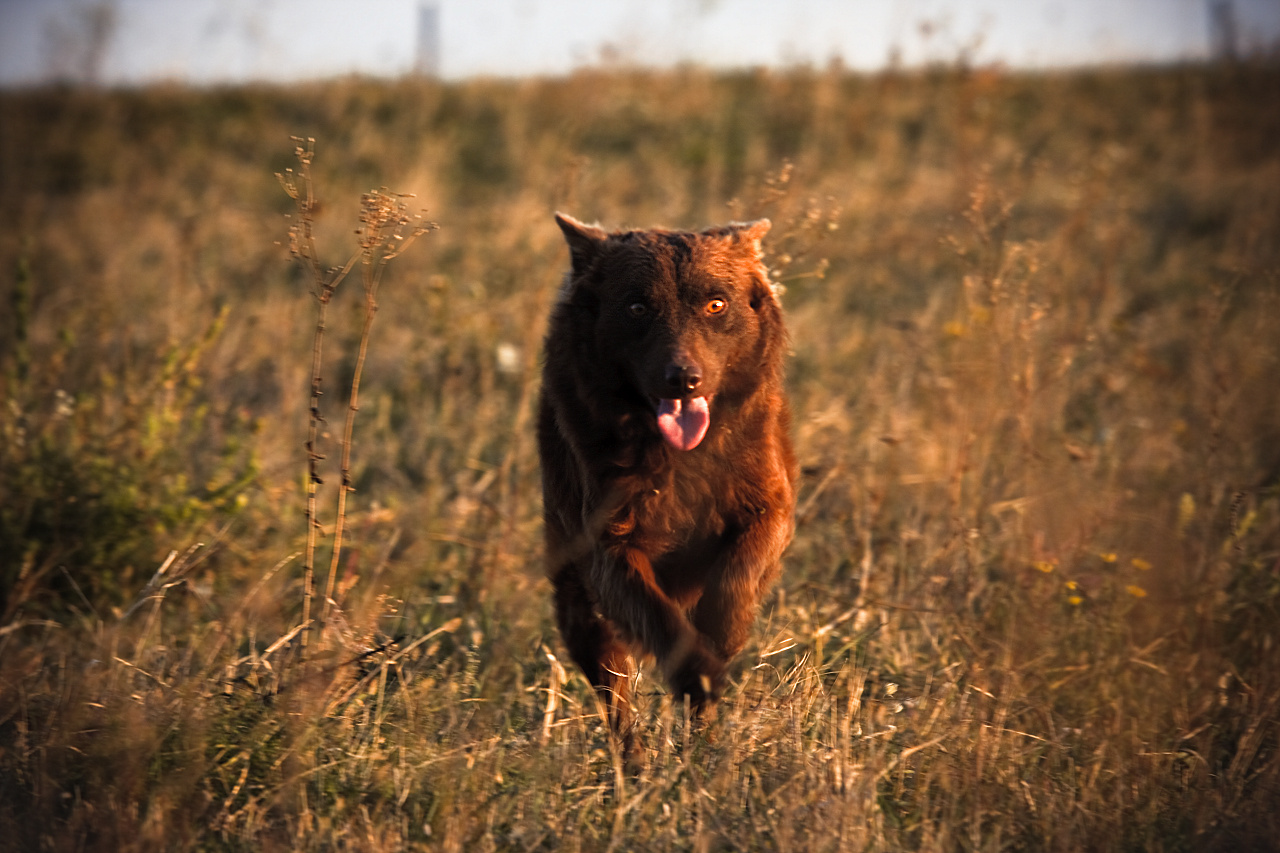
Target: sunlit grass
(1032, 600)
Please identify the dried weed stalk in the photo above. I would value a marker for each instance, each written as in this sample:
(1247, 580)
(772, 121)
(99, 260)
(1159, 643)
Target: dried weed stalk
(800, 225)
(387, 229)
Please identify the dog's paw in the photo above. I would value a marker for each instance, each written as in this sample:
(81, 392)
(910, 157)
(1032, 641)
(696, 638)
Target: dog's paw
(700, 675)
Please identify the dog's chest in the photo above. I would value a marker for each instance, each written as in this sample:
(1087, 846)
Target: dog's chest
(683, 507)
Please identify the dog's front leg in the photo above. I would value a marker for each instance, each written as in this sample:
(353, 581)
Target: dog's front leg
(727, 609)
(629, 596)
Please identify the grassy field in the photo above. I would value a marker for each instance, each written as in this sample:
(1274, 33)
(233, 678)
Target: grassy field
(1034, 598)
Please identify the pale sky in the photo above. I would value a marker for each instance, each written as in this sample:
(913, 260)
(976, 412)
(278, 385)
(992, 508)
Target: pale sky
(203, 41)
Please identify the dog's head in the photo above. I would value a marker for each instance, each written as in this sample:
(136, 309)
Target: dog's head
(682, 323)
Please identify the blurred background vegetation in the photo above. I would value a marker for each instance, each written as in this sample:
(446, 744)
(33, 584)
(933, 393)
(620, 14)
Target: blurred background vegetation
(1034, 595)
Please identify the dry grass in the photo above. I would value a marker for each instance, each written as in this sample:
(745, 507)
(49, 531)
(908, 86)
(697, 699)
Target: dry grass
(1034, 596)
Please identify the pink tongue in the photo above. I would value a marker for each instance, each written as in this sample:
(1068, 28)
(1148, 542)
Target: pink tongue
(683, 423)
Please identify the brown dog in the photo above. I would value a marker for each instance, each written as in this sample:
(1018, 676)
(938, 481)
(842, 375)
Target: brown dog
(668, 477)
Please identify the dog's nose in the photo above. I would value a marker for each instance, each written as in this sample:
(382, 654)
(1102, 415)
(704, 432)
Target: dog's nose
(683, 378)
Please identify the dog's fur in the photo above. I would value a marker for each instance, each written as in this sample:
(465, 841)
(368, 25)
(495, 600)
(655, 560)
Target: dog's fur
(668, 476)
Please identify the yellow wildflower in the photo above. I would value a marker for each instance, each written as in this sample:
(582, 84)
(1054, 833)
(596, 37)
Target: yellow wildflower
(1186, 511)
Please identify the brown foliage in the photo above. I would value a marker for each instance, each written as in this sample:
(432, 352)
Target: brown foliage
(1033, 595)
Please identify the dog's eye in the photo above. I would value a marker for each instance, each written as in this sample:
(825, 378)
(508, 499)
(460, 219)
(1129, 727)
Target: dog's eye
(638, 309)
(715, 306)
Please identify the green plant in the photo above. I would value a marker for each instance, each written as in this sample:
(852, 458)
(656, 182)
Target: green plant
(94, 482)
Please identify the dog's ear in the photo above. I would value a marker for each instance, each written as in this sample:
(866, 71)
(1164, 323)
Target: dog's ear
(747, 235)
(742, 235)
(584, 240)
(751, 233)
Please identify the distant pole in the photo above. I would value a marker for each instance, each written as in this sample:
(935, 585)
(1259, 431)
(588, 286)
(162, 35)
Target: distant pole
(1222, 31)
(427, 61)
